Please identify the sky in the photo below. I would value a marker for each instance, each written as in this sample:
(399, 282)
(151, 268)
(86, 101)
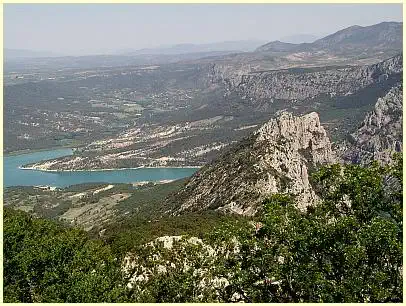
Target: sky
(77, 29)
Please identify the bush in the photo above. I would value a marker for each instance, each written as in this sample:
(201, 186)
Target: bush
(45, 262)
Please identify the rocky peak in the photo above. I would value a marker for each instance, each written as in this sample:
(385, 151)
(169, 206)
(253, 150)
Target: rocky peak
(299, 133)
(276, 158)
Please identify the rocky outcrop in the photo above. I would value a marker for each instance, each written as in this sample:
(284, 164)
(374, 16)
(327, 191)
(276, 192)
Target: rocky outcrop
(301, 84)
(276, 158)
(174, 254)
(380, 134)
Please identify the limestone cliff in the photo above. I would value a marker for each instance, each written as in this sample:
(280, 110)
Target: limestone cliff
(276, 158)
(380, 134)
(303, 83)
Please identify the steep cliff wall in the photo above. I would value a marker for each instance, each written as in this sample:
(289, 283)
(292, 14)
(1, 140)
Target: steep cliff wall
(302, 83)
(380, 134)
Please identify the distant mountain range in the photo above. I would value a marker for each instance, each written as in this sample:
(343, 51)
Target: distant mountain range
(179, 49)
(352, 45)
(385, 35)
(237, 46)
(21, 53)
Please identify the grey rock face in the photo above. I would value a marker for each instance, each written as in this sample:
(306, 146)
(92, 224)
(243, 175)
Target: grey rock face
(291, 84)
(276, 158)
(380, 135)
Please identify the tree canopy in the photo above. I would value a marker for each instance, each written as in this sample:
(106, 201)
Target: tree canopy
(347, 248)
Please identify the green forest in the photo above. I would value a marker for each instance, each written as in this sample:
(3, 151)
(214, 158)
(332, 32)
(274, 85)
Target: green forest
(348, 248)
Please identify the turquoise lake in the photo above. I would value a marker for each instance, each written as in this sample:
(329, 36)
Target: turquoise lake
(13, 176)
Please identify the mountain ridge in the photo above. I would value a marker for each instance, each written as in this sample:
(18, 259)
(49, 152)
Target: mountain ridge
(230, 46)
(384, 35)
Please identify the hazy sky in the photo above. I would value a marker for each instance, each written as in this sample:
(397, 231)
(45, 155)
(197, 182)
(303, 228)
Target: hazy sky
(100, 28)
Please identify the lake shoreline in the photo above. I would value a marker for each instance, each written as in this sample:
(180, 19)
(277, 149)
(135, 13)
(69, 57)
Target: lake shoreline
(135, 184)
(31, 151)
(108, 169)
(19, 170)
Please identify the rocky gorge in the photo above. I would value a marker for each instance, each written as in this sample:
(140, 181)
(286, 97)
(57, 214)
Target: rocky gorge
(304, 83)
(280, 155)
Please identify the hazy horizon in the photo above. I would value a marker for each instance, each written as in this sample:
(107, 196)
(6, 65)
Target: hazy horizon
(81, 29)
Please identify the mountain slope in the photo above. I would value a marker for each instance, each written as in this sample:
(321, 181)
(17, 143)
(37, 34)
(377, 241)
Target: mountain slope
(277, 46)
(381, 36)
(276, 158)
(385, 35)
